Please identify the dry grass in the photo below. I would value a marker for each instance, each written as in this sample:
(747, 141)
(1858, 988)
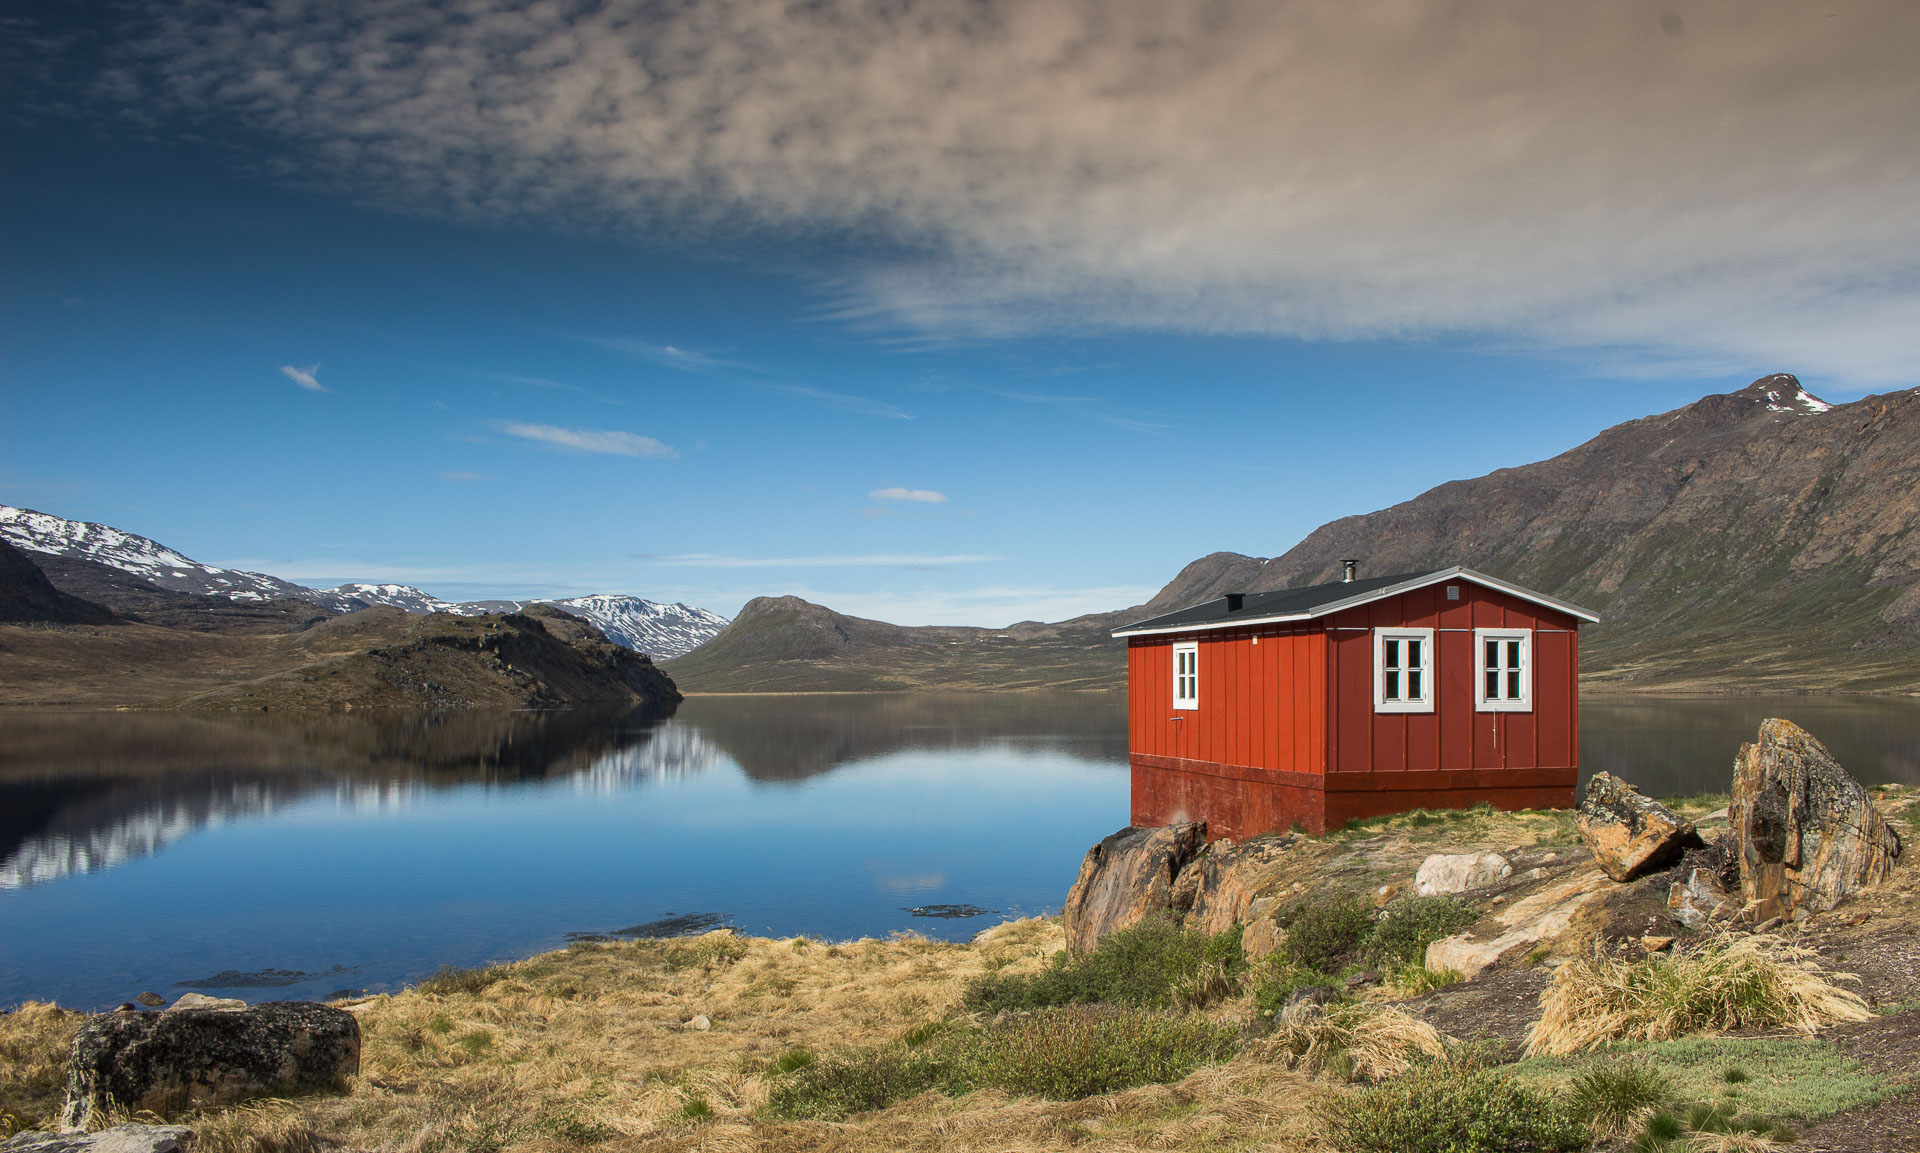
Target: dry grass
(1354, 1040)
(34, 1041)
(1759, 981)
(591, 1048)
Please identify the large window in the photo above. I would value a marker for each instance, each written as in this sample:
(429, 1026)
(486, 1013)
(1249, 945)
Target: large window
(1186, 676)
(1503, 670)
(1403, 670)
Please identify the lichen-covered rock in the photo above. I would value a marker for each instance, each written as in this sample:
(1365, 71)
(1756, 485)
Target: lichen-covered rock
(186, 1058)
(1231, 879)
(119, 1139)
(1629, 833)
(1538, 918)
(1125, 878)
(1459, 872)
(1804, 832)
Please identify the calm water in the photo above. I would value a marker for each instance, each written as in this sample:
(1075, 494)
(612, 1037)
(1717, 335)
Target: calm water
(272, 859)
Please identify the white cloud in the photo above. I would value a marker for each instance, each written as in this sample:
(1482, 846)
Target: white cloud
(920, 495)
(669, 355)
(826, 560)
(866, 406)
(1734, 188)
(307, 378)
(599, 440)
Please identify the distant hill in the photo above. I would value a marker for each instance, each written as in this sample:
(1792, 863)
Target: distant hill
(785, 644)
(1760, 539)
(150, 582)
(28, 597)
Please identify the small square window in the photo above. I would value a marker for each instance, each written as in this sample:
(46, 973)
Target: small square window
(1403, 670)
(1503, 670)
(1186, 676)
(1453, 592)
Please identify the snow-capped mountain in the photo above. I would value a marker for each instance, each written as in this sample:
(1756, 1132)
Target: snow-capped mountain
(659, 630)
(45, 533)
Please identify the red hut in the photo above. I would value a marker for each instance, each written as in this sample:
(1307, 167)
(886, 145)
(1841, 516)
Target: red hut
(1257, 711)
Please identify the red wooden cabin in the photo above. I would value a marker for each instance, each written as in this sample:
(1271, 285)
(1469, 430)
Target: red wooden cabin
(1259, 711)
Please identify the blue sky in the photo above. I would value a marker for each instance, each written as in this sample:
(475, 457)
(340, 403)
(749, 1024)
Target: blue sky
(968, 315)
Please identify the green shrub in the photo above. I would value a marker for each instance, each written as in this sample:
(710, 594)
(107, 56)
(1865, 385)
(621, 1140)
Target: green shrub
(1275, 982)
(1059, 1053)
(1408, 925)
(1146, 965)
(1442, 1108)
(1325, 932)
(1610, 1098)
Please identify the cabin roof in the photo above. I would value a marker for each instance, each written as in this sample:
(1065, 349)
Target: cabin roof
(1323, 600)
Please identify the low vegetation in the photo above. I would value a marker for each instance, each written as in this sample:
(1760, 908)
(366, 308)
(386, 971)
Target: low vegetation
(1332, 935)
(33, 1065)
(1153, 965)
(1756, 982)
(1449, 1107)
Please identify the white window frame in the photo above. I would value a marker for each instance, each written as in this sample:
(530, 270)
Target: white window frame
(1186, 686)
(1502, 704)
(1421, 704)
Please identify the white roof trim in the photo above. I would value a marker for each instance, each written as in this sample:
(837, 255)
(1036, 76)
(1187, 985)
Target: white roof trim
(1455, 573)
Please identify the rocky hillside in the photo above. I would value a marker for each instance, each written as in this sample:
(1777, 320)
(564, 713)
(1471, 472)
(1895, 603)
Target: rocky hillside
(1762, 538)
(28, 597)
(785, 644)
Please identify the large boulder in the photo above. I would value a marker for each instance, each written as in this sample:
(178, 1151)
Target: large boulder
(1540, 918)
(1458, 872)
(1230, 880)
(119, 1139)
(1125, 878)
(186, 1058)
(1803, 831)
(1631, 834)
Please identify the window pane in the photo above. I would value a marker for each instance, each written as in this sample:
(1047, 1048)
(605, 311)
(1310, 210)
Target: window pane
(1413, 657)
(1413, 685)
(1513, 654)
(1493, 654)
(1393, 686)
(1513, 685)
(1493, 684)
(1393, 654)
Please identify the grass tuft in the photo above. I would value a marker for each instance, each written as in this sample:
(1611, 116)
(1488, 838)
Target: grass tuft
(447, 980)
(1616, 1098)
(1351, 1041)
(34, 1040)
(1730, 983)
(1154, 964)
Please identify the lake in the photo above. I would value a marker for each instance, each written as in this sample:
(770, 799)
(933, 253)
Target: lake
(276, 858)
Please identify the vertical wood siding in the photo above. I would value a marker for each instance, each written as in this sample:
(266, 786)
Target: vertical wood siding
(1262, 705)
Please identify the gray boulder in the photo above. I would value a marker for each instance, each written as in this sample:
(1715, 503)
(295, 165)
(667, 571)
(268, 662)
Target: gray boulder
(1125, 878)
(1631, 834)
(1804, 832)
(119, 1139)
(189, 1058)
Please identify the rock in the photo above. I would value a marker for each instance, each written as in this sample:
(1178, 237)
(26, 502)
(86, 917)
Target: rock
(1125, 878)
(151, 1000)
(1312, 995)
(1363, 979)
(1231, 880)
(1804, 832)
(1538, 917)
(1698, 899)
(119, 1139)
(190, 1058)
(1630, 834)
(1260, 938)
(700, 1023)
(1654, 944)
(1458, 872)
(202, 1001)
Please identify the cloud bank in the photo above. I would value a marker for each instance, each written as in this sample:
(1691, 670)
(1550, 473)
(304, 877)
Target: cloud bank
(596, 440)
(911, 495)
(1704, 186)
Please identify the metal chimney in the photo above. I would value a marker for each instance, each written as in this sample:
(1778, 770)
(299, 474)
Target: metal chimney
(1235, 601)
(1352, 568)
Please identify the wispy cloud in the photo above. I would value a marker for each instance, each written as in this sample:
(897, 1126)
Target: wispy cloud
(824, 560)
(542, 382)
(667, 355)
(307, 378)
(1575, 176)
(1091, 407)
(597, 440)
(865, 406)
(915, 495)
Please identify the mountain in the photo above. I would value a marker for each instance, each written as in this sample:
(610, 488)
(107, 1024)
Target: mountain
(1755, 539)
(28, 597)
(785, 644)
(145, 579)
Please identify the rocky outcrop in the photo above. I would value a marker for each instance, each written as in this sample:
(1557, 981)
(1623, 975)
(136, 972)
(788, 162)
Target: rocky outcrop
(1804, 832)
(187, 1058)
(119, 1139)
(1536, 919)
(1699, 899)
(1229, 880)
(1458, 872)
(1630, 834)
(1125, 878)
(28, 597)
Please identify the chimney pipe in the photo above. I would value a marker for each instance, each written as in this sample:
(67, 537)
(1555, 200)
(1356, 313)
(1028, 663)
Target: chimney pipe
(1352, 568)
(1235, 601)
